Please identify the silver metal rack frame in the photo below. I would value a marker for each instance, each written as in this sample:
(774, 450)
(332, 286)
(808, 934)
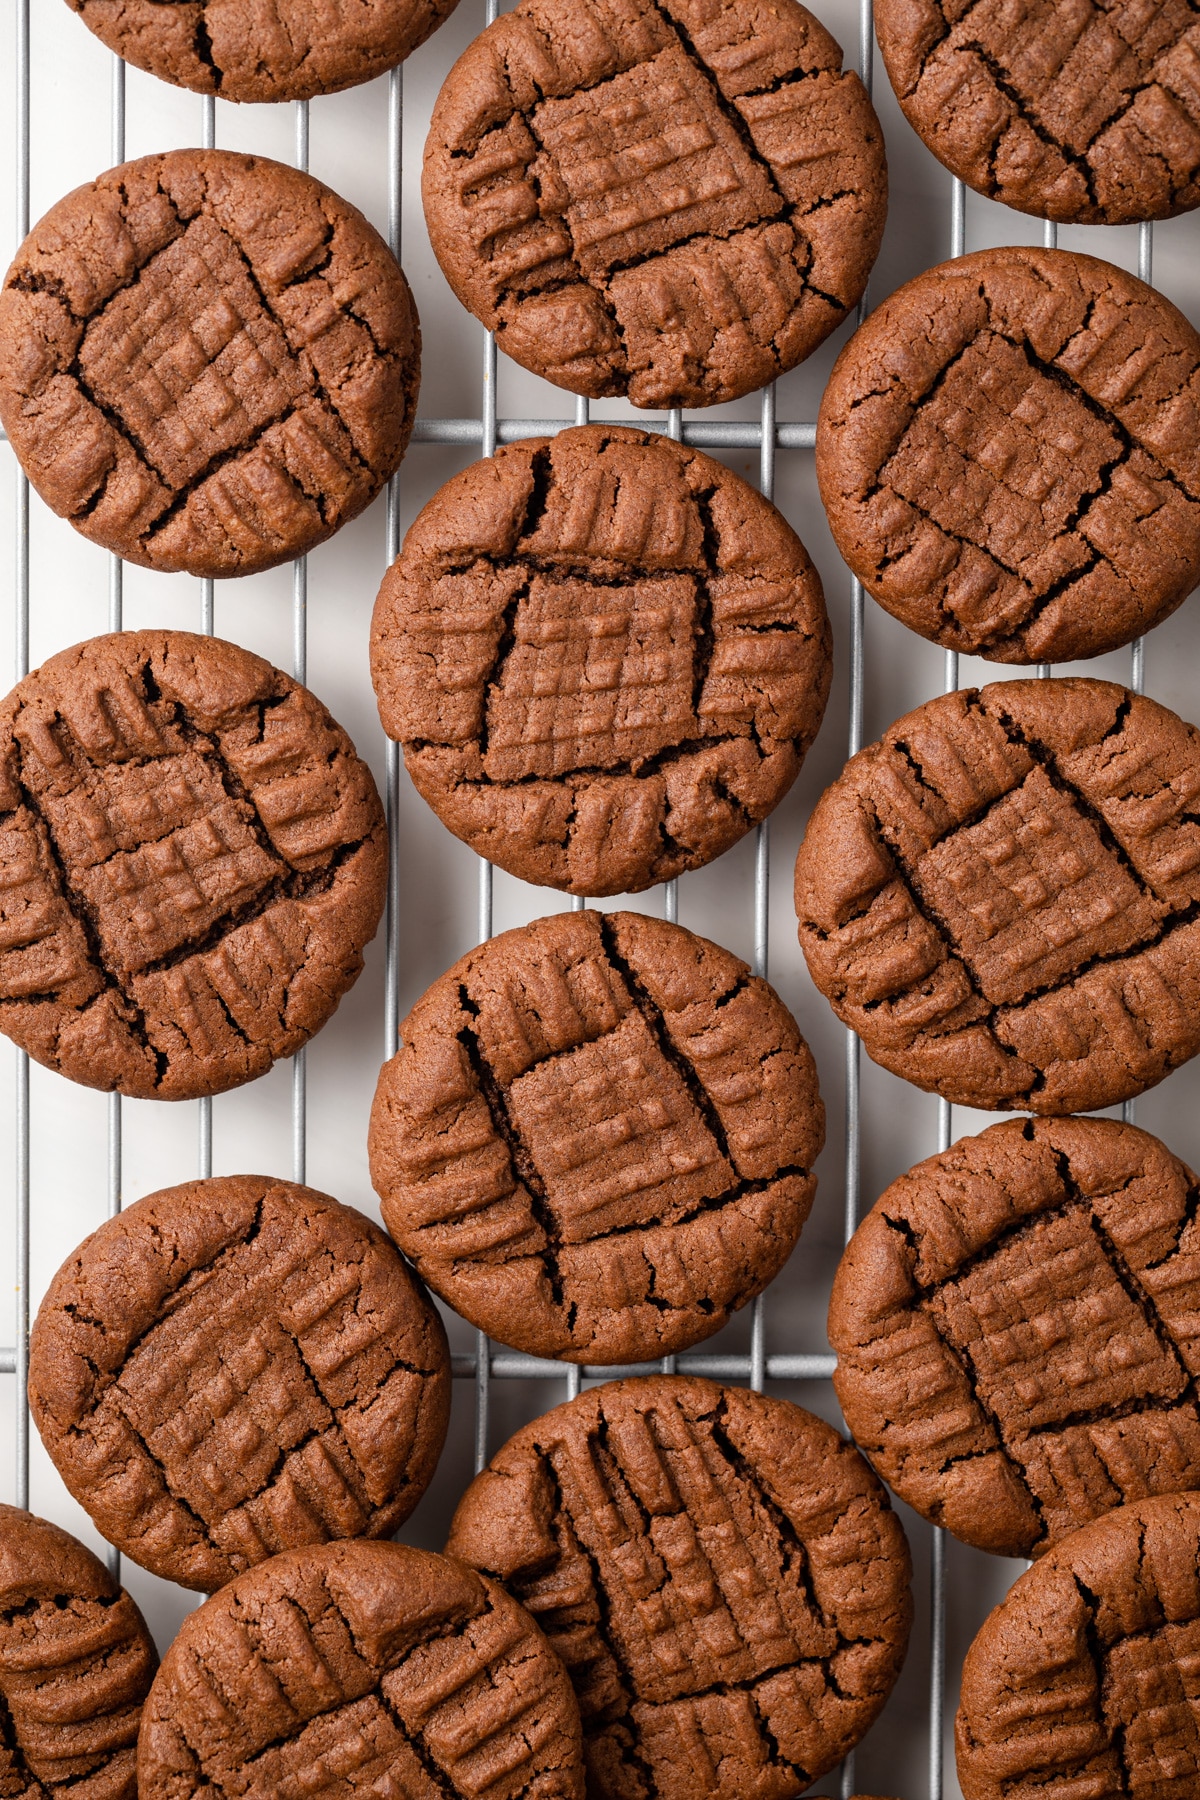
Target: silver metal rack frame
(768, 436)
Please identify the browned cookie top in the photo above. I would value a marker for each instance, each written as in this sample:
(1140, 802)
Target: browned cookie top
(366, 1669)
(1087, 112)
(192, 858)
(207, 361)
(284, 50)
(597, 1140)
(1009, 455)
(1083, 1681)
(605, 657)
(673, 201)
(1015, 1331)
(720, 1572)
(1000, 895)
(76, 1663)
(235, 1367)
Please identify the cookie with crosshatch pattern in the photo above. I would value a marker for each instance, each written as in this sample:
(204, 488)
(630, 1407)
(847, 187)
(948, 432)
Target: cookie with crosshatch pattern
(676, 201)
(288, 50)
(598, 1137)
(235, 1367)
(208, 361)
(192, 860)
(1000, 896)
(360, 1668)
(1083, 1679)
(1087, 113)
(720, 1572)
(605, 656)
(76, 1662)
(1009, 455)
(1015, 1331)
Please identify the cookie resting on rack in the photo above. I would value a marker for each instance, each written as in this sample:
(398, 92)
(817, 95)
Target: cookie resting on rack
(605, 656)
(76, 1662)
(1086, 113)
(598, 1138)
(1014, 1328)
(720, 1572)
(288, 50)
(235, 1367)
(192, 859)
(208, 361)
(1083, 1679)
(360, 1668)
(676, 201)
(1009, 455)
(1000, 896)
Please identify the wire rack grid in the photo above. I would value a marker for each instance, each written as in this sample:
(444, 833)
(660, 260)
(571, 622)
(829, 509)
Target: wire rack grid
(487, 1363)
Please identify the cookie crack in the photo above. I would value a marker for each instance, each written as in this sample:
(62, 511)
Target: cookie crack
(1022, 107)
(726, 108)
(523, 1166)
(139, 1437)
(670, 1051)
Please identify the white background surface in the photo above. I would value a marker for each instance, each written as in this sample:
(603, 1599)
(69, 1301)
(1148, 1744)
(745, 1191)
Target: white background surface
(71, 88)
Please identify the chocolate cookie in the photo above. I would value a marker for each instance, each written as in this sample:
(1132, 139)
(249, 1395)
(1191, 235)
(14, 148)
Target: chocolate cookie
(720, 1572)
(1009, 454)
(1000, 895)
(208, 361)
(76, 1662)
(192, 858)
(675, 201)
(597, 1140)
(290, 50)
(235, 1367)
(366, 1669)
(1014, 1330)
(605, 657)
(1087, 113)
(1083, 1681)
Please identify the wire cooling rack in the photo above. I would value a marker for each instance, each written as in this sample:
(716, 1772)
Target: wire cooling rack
(914, 1732)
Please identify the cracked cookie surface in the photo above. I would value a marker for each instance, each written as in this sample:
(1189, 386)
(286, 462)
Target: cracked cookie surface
(1014, 1330)
(1007, 453)
(605, 656)
(208, 361)
(1083, 1679)
(598, 1137)
(192, 859)
(360, 1668)
(720, 1572)
(1087, 113)
(1001, 895)
(236, 1367)
(280, 50)
(76, 1662)
(672, 201)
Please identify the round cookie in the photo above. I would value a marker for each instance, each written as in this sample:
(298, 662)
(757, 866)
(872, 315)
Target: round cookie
(1082, 1679)
(208, 361)
(999, 896)
(721, 1574)
(1088, 113)
(676, 200)
(235, 1367)
(360, 1668)
(1014, 1354)
(605, 656)
(597, 1140)
(1009, 455)
(291, 51)
(76, 1662)
(192, 859)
